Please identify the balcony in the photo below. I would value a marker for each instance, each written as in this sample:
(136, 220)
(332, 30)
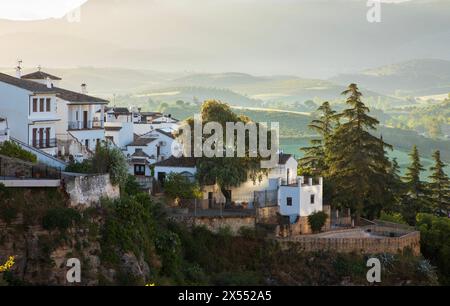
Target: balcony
(85, 125)
(45, 143)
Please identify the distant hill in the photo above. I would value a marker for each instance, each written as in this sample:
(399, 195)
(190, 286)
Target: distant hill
(197, 94)
(288, 89)
(416, 78)
(238, 89)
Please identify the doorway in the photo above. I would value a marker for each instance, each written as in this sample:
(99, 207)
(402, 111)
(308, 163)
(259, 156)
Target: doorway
(85, 119)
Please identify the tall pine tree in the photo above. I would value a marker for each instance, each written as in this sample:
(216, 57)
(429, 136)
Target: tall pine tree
(314, 160)
(439, 187)
(358, 166)
(415, 199)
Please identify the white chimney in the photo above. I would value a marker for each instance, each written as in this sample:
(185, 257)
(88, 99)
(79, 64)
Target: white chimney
(310, 181)
(19, 72)
(83, 88)
(48, 82)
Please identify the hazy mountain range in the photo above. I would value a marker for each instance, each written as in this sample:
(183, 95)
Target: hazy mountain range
(415, 78)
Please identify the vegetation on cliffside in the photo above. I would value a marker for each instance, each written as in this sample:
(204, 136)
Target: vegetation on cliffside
(130, 241)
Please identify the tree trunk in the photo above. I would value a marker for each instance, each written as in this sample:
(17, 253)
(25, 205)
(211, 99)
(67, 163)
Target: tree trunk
(227, 195)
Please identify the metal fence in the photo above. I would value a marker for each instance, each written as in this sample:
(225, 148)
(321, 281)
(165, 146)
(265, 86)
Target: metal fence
(10, 168)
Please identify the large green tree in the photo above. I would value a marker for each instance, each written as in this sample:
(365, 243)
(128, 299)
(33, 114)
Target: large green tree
(314, 160)
(439, 186)
(226, 172)
(357, 163)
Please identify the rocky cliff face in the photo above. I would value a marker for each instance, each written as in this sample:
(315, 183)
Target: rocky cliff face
(41, 254)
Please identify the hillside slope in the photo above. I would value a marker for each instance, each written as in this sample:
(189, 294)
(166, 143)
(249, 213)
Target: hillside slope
(416, 77)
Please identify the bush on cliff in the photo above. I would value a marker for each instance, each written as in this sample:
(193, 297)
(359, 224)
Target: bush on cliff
(11, 149)
(435, 243)
(60, 218)
(317, 221)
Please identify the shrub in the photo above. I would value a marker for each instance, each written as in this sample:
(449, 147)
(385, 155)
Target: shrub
(8, 212)
(392, 217)
(179, 186)
(168, 246)
(109, 159)
(435, 243)
(317, 221)
(84, 167)
(11, 149)
(131, 186)
(60, 218)
(129, 226)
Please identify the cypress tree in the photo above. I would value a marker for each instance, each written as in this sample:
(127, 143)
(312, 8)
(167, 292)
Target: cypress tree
(415, 198)
(439, 186)
(314, 160)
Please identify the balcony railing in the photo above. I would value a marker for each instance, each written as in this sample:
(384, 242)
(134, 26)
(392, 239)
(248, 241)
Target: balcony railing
(291, 181)
(85, 125)
(45, 143)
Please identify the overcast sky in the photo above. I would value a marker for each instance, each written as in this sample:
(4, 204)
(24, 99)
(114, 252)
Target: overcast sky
(311, 38)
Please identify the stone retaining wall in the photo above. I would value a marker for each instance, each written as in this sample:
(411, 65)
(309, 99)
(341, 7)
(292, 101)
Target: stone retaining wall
(87, 190)
(367, 245)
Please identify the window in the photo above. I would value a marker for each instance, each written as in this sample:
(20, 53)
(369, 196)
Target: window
(86, 143)
(41, 137)
(139, 169)
(34, 139)
(288, 201)
(76, 115)
(47, 137)
(41, 104)
(35, 105)
(48, 102)
(312, 198)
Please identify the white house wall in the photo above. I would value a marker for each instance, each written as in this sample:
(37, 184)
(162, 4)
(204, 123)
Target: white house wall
(91, 135)
(301, 200)
(14, 105)
(306, 208)
(62, 112)
(289, 191)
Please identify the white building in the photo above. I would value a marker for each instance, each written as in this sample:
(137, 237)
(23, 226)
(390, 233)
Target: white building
(280, 187)
(150, 121)
(148, 149)
(300, 198)
(52, 119)
(4, 130)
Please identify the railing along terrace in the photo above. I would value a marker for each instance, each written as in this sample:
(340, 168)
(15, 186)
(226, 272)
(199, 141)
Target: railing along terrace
(45, 143)
(24, 170)
(83, 125)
